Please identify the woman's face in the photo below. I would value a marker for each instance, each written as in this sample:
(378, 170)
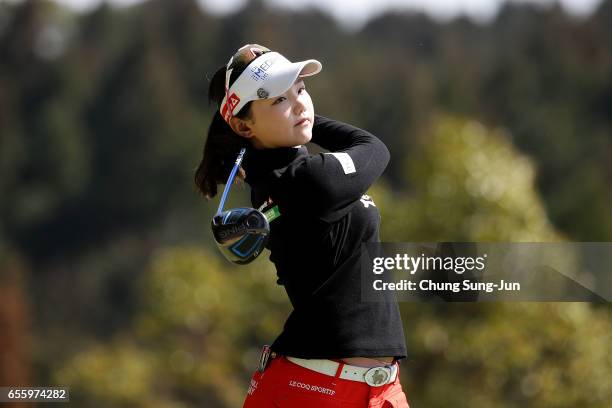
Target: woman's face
(282, 121)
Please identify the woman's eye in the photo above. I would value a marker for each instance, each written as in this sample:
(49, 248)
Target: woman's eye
(282, 98)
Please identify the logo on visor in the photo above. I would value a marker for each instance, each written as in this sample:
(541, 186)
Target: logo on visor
(259, 72)
(262, 93)
(227, 111)
(233, 101)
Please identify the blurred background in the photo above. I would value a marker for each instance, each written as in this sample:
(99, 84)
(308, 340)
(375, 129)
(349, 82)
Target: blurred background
(498, 116)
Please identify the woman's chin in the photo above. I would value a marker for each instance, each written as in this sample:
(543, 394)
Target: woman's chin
(305, 136)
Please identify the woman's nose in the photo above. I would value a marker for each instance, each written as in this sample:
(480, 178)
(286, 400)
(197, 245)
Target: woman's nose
(298, 105)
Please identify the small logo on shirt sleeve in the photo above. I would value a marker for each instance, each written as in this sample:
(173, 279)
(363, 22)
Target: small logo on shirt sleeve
(367, 201)
(345, 161)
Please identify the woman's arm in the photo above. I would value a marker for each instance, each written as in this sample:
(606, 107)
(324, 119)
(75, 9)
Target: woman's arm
(334, 135)
(327, 182)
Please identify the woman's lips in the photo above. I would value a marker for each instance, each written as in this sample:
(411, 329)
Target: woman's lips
(302, 122)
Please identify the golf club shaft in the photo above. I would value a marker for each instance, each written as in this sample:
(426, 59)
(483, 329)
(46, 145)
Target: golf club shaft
(230, 180)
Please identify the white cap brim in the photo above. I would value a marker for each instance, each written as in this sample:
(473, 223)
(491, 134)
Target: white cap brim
(268, 76)
(284, 76)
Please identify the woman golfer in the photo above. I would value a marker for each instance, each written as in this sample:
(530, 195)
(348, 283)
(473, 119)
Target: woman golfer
(334, 350)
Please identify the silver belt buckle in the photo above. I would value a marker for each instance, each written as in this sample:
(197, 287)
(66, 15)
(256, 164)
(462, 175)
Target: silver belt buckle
(377, 376)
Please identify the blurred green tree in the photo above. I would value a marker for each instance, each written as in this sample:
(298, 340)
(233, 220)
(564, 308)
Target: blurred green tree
(194, 341)
(467, 184)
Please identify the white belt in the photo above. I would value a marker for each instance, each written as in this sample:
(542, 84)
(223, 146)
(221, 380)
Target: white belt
(373, 376)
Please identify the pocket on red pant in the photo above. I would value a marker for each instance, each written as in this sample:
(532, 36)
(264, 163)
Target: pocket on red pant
(397, 400)
(255, 392)
(299, 399)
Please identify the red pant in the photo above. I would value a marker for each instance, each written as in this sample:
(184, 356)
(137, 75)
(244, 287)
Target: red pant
(287, 385)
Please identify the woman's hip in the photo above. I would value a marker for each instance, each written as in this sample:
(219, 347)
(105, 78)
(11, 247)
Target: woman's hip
(285, 381)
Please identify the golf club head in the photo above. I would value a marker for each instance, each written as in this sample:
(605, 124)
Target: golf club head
(240, 233)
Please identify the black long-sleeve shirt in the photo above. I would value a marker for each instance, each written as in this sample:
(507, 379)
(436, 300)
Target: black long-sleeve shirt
(316, 242)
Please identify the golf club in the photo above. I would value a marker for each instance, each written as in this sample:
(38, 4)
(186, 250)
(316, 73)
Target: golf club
(240, 233)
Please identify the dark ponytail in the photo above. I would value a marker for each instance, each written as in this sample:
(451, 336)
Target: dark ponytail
(222, 144)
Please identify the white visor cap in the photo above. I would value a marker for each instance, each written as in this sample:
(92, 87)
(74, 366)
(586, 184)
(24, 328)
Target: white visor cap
(267, 76)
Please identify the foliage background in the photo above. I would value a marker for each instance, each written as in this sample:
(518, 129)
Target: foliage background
(109, 280)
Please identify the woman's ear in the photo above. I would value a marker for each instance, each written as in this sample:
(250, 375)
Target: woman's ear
(241, 127)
